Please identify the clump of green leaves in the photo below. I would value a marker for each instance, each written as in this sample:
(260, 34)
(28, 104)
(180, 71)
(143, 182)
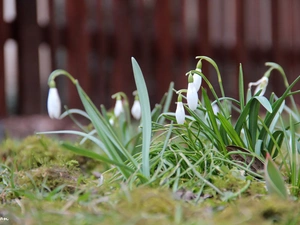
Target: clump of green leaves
(193, 148)
(244, 140)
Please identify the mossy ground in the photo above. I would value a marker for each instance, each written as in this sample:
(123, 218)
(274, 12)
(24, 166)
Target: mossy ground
(41, 183)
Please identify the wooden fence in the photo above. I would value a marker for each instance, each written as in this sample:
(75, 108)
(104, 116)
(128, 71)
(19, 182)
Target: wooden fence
(95, 39)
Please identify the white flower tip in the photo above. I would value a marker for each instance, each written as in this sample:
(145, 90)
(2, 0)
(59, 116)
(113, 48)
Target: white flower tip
(215, 109)
(118, 108)
(136, 110)
(54, 104)
(179, 113)
(261, 85)
(192, 96)
(197, 81)
(111, 121)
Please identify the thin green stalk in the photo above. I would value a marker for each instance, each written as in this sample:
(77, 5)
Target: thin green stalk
(212, 62)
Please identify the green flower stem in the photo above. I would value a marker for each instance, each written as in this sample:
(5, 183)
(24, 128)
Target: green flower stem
(57, 73)
(212, 91)
(212, 62)
(122, 94)
(285, 80)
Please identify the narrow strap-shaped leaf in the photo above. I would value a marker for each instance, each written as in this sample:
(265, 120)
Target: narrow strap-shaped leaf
(253, 118)
(93, 155)
(227, 126)
(106, 134)
(278, 136)
(276, 106)
(241, 88)
(274, 181)
(146, 116)
(212, 118)
(264, 102)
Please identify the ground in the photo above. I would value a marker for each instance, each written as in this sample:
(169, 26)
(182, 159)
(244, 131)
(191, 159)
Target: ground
(42, 183)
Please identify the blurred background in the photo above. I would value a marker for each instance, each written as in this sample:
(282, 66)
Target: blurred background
(94, 40)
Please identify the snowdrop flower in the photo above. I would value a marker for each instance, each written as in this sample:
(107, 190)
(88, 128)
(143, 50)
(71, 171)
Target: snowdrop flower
(53, 103)
(192, 95)
(136, 109)
(215, 108)
(197, 80)
(179, 113)
(261, 85)
(111, 121)
(118, 107)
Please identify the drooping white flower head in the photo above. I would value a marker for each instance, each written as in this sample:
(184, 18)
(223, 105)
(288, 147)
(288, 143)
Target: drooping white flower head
(179, 113)
(192, 94)
(136, 109)
(261, 85)
(111, 121)
(118, 107)
(197, 80)
(215, 108)
(53, 103)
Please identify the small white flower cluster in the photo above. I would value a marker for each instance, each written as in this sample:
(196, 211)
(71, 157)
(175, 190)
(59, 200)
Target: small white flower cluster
(136, 110)
(194, 84)
(54, 105)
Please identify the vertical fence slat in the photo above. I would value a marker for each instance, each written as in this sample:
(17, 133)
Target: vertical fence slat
(145, 38)
(155, 33)
(2, 79)
(28, 38)
(100, 81)
(277, 50)
(204, 44)
(241, 55)
(163, 47)
(122, 79)
(77, 48)
(183, 43)
(53, 33)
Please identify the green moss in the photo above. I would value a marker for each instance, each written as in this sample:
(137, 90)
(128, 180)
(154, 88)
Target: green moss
(36, 151)
(33, 152)
(234, 181)
(269, 210)
(49, 178)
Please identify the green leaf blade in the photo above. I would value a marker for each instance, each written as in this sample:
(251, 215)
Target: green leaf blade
(146, 116)
(274, 181)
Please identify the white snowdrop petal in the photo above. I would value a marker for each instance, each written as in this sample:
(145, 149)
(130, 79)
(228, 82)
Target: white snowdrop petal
(54, 104)
(179, 113)
(136, 110)
(215, 108)
(261, 85)
(118, 107)
(192, 96)
(197, 81)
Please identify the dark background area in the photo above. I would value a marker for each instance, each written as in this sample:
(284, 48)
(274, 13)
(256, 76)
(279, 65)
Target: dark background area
(94, 40)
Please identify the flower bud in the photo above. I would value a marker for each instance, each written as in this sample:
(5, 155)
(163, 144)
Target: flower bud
(136, 109)
(53, 103)
(192, 96)
(197, 81)
(179, 113)
(261, 85)
(118, 108)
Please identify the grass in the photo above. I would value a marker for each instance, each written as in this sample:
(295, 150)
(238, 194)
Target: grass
(212, 168)
(59, 190)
